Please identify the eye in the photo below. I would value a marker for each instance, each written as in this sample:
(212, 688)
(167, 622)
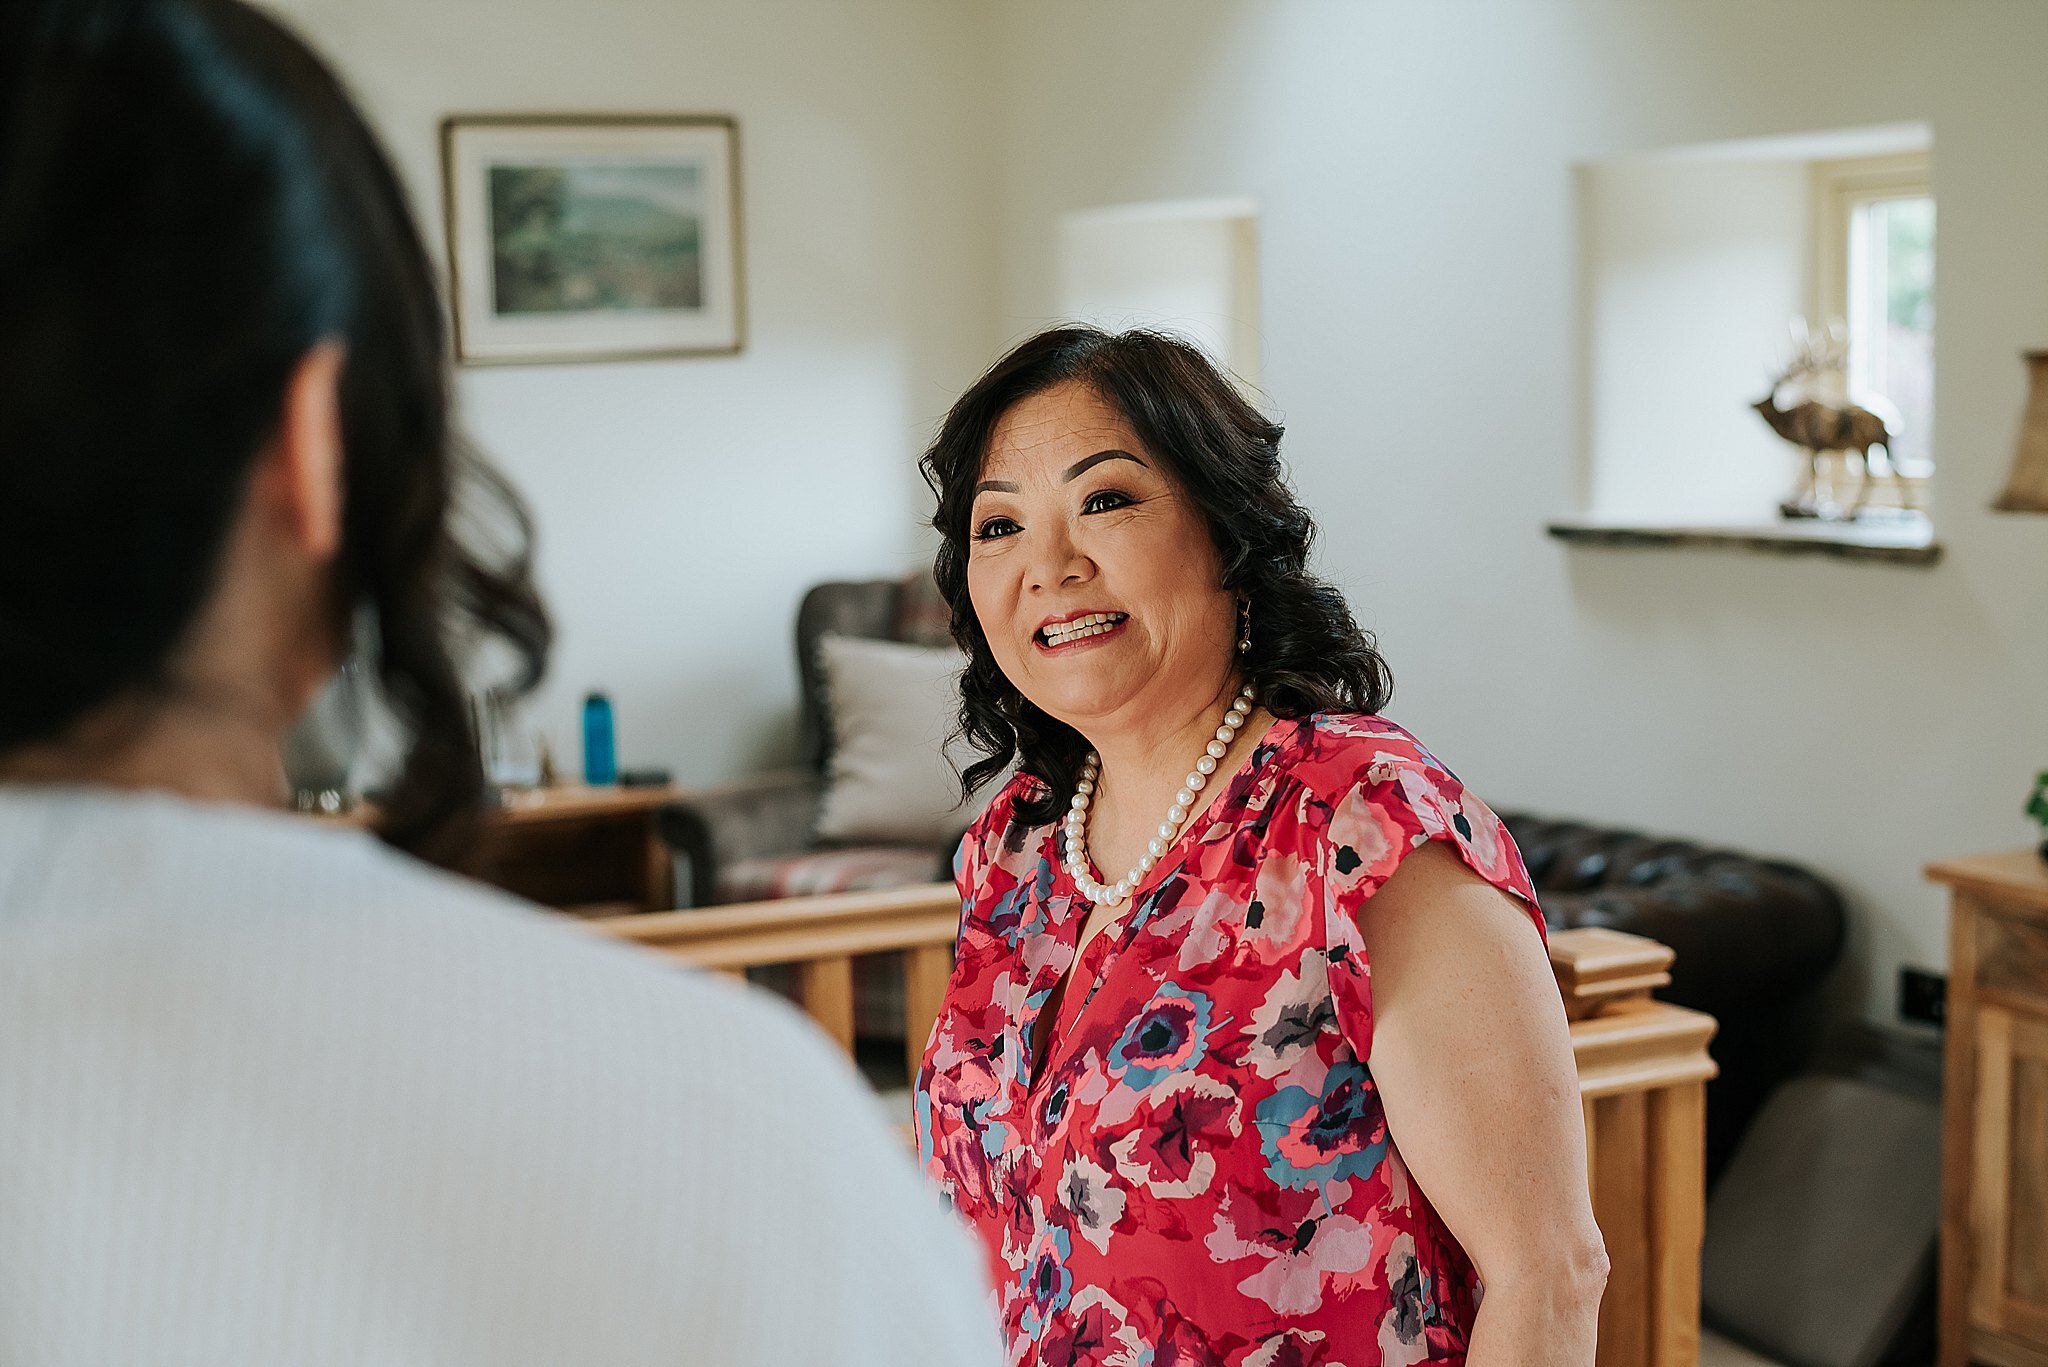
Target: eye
(994, 528)
(1107, 501)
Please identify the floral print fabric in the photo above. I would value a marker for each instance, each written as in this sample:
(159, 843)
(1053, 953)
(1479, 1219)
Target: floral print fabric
(1199, 1170)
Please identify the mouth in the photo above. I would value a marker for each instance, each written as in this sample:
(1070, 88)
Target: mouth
(1087, 626)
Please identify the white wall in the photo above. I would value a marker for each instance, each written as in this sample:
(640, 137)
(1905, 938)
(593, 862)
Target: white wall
(1188, 267)
(685, 505)
(907, 165)
(1413, 169)
(1692, 270)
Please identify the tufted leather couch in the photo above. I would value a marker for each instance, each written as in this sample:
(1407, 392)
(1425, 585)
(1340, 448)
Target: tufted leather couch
(1755, 940)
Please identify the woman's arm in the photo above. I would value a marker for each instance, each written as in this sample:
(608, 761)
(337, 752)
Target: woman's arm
(1474, 1064)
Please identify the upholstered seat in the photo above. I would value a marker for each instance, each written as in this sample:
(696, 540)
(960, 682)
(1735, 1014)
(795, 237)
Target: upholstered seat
(1755, 940)
(744, 839)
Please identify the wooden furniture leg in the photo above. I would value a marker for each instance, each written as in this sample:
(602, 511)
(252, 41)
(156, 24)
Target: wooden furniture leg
(1621, 1184)
(926, 970)
(1677, 1144)
(1643, 1066)
(659, 880)
(825, 988)
(1959, 1108)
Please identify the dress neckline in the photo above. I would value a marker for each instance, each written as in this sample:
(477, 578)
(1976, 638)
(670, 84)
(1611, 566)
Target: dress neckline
(1268, 744)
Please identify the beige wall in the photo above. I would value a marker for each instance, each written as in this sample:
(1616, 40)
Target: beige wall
(1414, 168)
(1721, 247)
(685, 505)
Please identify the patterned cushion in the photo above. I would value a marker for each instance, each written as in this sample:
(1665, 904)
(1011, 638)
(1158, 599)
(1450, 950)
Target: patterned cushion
(861, 868)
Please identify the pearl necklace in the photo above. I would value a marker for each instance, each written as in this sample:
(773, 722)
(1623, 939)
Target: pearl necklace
(1111, 894)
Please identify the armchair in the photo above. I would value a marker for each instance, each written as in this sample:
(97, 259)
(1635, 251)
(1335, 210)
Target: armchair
(755, 839)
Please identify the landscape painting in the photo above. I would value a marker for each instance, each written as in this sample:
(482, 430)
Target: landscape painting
(575, 239)
(576, 236)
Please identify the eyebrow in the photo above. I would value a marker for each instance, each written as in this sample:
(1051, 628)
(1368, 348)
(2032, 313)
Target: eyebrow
(1071, 473)
(1087, 463)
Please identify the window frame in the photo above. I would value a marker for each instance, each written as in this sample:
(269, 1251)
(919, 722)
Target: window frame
(1839, 188)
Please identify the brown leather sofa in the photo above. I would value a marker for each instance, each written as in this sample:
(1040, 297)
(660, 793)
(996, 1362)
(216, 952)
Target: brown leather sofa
(1755, 940)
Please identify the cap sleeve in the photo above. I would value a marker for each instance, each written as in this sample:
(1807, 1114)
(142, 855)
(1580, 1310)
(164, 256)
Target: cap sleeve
(1400, 801)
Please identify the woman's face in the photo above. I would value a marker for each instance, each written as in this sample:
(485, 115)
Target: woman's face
(1092, 573)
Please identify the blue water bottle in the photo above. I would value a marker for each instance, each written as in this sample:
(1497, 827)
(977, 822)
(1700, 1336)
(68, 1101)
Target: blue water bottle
(600, 760)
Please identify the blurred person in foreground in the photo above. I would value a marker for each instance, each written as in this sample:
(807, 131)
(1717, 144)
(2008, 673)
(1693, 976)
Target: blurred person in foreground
(277, 1092)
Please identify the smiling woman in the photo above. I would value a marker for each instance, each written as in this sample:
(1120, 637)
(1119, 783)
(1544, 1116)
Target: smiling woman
(1297, 1087)
(1232, 529)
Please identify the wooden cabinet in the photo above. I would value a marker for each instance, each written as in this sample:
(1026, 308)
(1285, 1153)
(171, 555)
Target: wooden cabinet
(1994, 1226)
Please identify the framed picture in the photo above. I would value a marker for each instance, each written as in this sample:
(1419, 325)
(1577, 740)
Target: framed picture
(592, 238)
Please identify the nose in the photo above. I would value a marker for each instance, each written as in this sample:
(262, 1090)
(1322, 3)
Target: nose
(1058, 563)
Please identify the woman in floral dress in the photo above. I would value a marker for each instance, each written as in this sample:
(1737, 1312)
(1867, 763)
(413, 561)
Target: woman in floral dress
(1296, 1088)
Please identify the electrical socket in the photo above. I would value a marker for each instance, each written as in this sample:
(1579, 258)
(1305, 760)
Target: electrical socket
(1923, 995)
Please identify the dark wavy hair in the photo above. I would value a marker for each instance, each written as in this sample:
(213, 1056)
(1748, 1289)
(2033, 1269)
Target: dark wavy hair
(1307, 654)
(189, 203)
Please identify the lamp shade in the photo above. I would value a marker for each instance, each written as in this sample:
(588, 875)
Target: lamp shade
(2026, 488)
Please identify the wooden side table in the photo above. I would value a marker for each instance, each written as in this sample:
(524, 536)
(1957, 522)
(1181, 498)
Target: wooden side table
(1994, 1185)
(586, 851)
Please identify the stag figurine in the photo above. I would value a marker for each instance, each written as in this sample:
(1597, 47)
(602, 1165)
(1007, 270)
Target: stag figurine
(1823, 427)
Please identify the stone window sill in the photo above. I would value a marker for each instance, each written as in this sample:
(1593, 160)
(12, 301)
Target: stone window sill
(1897, 540)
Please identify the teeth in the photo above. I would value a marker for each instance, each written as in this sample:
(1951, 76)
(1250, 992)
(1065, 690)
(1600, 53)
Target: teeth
(1093, 624)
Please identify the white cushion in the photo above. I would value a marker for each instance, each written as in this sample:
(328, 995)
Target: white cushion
(892, 706)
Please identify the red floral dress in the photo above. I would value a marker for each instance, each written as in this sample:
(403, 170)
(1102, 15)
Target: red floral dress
(1199, 1169)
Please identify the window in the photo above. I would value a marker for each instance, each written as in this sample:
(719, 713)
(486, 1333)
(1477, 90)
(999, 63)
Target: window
(1874, 271)
(1694, 259)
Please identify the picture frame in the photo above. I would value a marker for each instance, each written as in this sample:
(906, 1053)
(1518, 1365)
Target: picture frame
(592, 237)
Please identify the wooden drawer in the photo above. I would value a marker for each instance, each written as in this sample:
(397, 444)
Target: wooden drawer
(2009, 1210)
(2012, 958)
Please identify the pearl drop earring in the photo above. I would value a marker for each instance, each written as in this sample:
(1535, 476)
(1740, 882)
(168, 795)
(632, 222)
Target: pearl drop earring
(1244, 627)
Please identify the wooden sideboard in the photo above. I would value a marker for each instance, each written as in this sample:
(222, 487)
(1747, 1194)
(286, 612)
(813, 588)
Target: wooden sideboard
(1643, 1068)
(1994, 1187)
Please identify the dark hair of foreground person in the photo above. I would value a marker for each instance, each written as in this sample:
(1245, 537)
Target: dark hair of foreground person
(190, 202)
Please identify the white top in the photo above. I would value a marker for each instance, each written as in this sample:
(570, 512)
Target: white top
(273, 1094)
